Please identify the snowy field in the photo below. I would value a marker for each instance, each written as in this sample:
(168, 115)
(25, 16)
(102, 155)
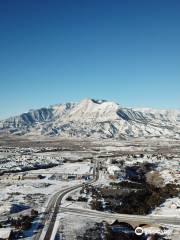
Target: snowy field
(67, 168)
(171, 207)
(34, 192)
(71, 226)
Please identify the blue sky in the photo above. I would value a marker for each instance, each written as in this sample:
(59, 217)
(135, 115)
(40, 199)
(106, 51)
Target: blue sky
(65, 50)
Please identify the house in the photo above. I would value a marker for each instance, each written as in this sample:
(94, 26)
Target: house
(113, 170)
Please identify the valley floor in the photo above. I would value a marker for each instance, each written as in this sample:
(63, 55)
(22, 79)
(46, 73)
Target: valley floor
(31, 172)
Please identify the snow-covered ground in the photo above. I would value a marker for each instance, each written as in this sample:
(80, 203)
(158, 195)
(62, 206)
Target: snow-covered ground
(171, 207)
(33, 192)
(67, 168)
(71, 226)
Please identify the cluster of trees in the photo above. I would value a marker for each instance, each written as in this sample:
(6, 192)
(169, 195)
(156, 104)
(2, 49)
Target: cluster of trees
(127, 184)
(141, 201)
(23, 222)
(139, 196)
(138, 172)
(79, 199)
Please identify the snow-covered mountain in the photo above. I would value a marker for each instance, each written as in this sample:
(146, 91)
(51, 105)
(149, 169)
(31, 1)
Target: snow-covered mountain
(96, 119)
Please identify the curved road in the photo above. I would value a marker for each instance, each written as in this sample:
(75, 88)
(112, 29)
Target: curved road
(49, 218)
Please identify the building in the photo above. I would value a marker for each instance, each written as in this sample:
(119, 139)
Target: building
(113, 170)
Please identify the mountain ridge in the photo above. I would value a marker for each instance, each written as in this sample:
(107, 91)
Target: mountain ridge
(96, 119)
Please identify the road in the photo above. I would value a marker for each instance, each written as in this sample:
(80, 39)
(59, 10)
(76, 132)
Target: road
(52, 209)
(51, 212)
(123, 217)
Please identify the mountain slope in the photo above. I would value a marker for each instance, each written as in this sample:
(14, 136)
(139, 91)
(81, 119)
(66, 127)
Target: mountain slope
(97, 119)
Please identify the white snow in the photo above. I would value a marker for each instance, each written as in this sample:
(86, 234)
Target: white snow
(95, 119)
(5, 233)
(171, 207)
(112, 169)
